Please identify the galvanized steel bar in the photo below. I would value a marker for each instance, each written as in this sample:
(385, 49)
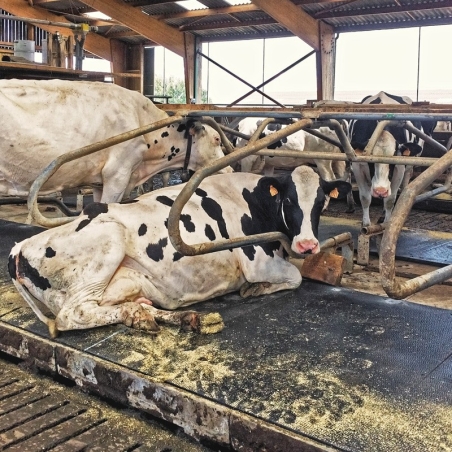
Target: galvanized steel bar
(346, 146)
(396, 160)
(377, 116)
(33, 210)
(194, 182)
(428, 139)
(336, 241)
(392, 286)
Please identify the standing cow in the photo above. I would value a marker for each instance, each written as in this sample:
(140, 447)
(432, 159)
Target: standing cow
(375, 179)
(298, 141)
(115, 260)
(42, 120)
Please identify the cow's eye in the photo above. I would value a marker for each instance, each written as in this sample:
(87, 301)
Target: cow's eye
(288, 201)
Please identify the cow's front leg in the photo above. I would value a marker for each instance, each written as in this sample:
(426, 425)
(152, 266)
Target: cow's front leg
(389, 202)
(362, 177)
(90, 315)
(266, 275)
(204, 323)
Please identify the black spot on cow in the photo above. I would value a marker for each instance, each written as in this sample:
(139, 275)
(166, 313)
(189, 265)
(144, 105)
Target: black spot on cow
(155, 250)
(165, 200)
(166, 223)
(25, 270)
(156, 141)
(50, 252)
(129, 201)
(94, 209)
(210, 233)
(181, 128)
(164, 134)
(170, 157)
(82, 224)
(200, 192)
(12, 266)
(142, 230)
(177, 256)
(249, 251)
(148, 145)
(214, 210)
(188, 224)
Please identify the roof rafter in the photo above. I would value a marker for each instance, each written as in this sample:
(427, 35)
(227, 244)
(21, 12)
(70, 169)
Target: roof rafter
(294, 19)
(145, 25)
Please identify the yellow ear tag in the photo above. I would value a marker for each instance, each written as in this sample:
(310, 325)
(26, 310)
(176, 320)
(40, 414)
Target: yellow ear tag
(273, 190)
(334, 193)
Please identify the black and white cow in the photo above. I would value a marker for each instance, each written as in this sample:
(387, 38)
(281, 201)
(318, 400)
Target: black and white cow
(375, 179)
(115, 262)
(43, 119)
(298, 141)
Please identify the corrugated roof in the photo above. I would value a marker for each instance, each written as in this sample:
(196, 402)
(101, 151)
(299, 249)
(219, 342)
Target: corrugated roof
(246, 21)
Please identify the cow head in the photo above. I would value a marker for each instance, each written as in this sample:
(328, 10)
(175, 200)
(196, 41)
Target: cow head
(206, 147)
(301, 197)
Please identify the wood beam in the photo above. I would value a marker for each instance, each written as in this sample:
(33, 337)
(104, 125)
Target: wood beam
(326, 62)
(143, 24)
(229, 24)
(293, 18)
(210, 12)
(94, 43)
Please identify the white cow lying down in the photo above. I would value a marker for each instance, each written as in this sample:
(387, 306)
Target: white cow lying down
(115, 262)
(42, 120)
(298, 141)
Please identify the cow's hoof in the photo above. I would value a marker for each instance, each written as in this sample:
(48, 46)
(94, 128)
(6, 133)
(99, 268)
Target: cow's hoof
(53, 329)
(210, 323)
(253, 289)
(143, 320)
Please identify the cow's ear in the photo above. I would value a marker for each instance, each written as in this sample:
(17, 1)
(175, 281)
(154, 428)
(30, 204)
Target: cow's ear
(270, 187)
(196, 128)
(410, 149)
(337, 189)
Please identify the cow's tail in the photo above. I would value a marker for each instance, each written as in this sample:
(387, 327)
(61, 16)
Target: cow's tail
(33, 303)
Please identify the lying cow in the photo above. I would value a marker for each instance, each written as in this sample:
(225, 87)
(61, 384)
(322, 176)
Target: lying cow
(375, 179)
(42, 120)
(115, 262)
(298, 141)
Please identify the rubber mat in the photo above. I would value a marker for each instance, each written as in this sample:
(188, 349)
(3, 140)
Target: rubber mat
(421, 246)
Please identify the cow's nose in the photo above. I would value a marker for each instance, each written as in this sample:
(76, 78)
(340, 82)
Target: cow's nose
(380, 192)
(304, 246)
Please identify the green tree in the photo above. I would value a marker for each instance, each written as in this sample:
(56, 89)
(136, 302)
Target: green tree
(176, 89)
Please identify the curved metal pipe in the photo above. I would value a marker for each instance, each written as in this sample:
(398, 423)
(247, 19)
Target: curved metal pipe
(33, 211)
(194, 182)
(392, 286)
